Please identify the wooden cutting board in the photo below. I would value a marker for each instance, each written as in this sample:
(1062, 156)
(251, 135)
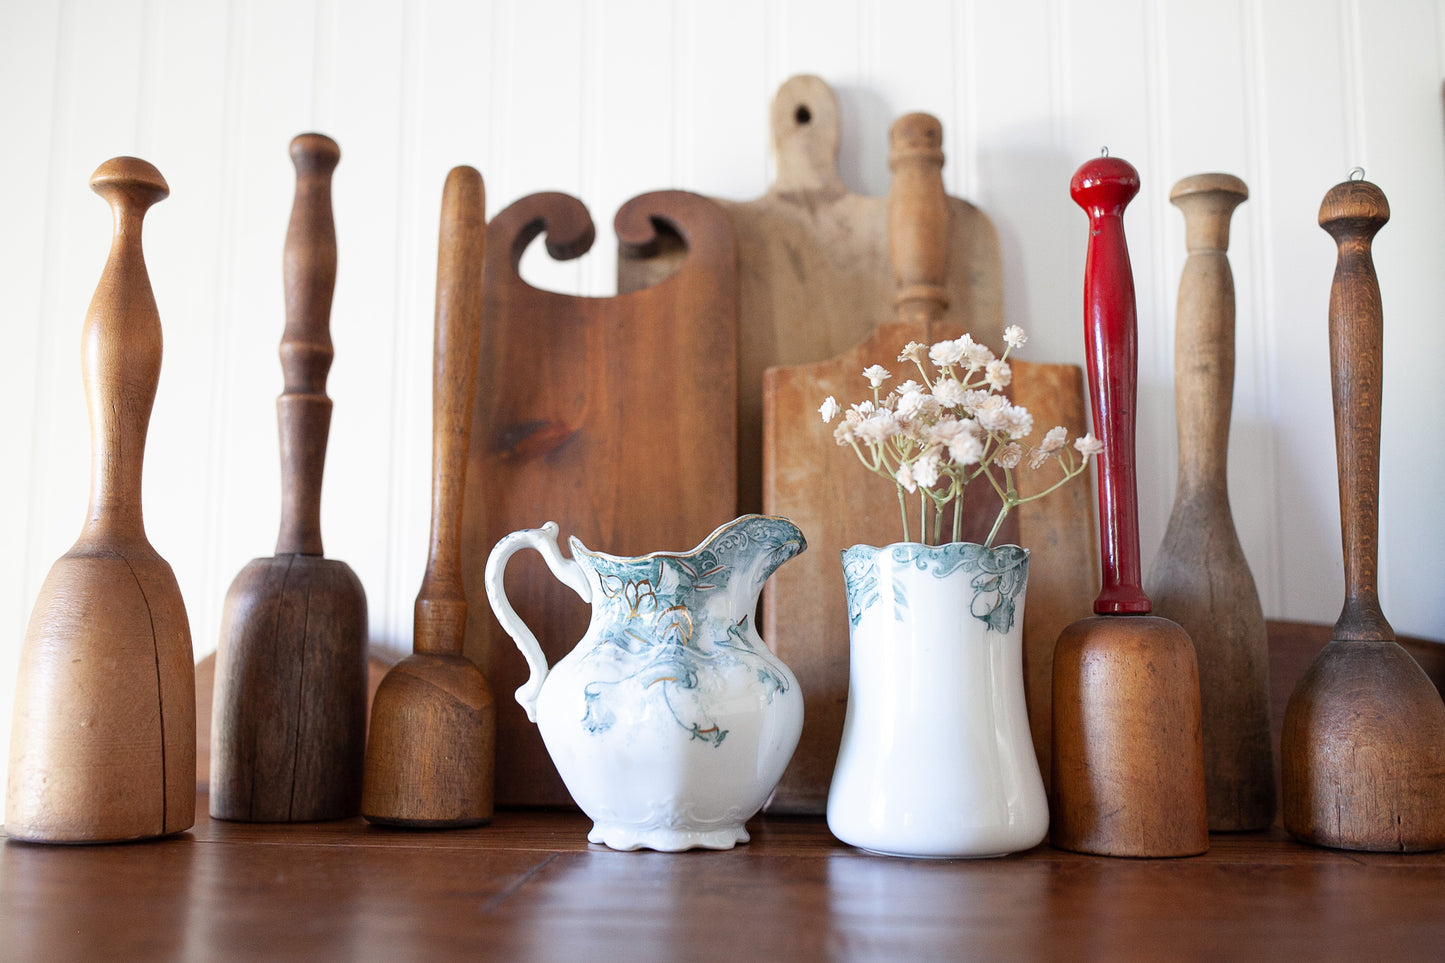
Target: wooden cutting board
(613, 417)
(815, 270)
(817, 279)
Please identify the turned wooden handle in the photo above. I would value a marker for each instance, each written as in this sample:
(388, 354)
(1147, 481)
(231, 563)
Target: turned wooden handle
(121, 353)
(918, 218)
(1103, 187)
(1352, 212)
(303, 411)
(1204, 331)
(441, 605)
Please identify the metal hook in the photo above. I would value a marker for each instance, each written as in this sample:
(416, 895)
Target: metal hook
(1104, 151)
(1357, 173)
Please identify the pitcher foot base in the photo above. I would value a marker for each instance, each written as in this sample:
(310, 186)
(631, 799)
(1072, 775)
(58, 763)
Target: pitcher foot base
(664, 839)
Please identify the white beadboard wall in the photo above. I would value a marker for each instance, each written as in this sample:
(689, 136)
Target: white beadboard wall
(607, 100)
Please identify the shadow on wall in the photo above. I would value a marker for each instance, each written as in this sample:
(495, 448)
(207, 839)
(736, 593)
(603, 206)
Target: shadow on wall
(864, 119)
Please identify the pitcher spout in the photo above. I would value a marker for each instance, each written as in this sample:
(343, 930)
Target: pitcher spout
(755, 545)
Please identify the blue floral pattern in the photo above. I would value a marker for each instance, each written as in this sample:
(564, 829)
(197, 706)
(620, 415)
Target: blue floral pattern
(669, 623)
(999, 576)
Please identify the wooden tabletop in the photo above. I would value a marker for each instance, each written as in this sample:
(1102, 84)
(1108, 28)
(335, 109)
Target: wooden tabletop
(530, 887)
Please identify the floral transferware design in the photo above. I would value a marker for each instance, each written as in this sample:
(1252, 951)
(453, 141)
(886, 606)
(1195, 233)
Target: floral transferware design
(670, 626)
(999, 576)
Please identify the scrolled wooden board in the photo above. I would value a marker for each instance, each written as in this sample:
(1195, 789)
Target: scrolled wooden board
(613, 417)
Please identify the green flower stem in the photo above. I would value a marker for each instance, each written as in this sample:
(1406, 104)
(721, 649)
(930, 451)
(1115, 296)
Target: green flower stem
(997, 524)
(903, 512)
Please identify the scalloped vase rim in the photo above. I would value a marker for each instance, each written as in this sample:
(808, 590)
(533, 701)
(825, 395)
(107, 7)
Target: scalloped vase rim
(879, 548)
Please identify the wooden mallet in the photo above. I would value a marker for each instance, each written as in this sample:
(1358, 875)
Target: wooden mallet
(288, 729)
(1128, 762)
(1200, 578)
(1363, 749)
(103, 746)
(430, 758)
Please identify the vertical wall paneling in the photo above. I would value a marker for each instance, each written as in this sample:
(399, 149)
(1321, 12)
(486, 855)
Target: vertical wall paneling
(378, 457)
(1158, 440)
(544, 117)
(1399, 92)
(825, 38)
(1303, 157)
(1255, 491)
(185, 74)
(30, 59)
(960, 172)
(630, 76)
(1022, 169)
(218, 566)
(725, 142)
(911, 56)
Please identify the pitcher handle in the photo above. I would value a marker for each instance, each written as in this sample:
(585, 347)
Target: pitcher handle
(544, 541)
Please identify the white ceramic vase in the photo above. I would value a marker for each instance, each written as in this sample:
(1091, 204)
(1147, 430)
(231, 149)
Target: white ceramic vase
(936, 758)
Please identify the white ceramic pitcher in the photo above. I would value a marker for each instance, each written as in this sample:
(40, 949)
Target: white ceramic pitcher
(670, 721)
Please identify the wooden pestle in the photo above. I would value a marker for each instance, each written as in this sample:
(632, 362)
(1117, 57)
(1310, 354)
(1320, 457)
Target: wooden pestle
(1363, 748)
(103, 746)
(431, 756)
(1200, 578)
(288, 725)
(1128, 768)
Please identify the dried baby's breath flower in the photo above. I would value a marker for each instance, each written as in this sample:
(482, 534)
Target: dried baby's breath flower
(906, 387)
(925, 469)
(966, 449)
(1008, 456)
(1014, 336)
(1088, 445)
(932, 438)
(914, 352)
(945, 353)
(1020, 422)
(998, 373)
(949, 392)
(904, 475)
(977, 357)
(917, 405)
(878, 427)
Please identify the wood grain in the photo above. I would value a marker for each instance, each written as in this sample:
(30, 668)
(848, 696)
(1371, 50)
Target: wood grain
(104, 738)
(1128, 764)
(430, 757)
(815, 271)
(1200, 577)
(378, 661)
(1128, 758)
(288, 724)
(528, 887)
(1362, 766)
(615, 417)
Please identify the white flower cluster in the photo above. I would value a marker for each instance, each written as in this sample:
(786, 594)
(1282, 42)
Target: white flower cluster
(937, 435)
